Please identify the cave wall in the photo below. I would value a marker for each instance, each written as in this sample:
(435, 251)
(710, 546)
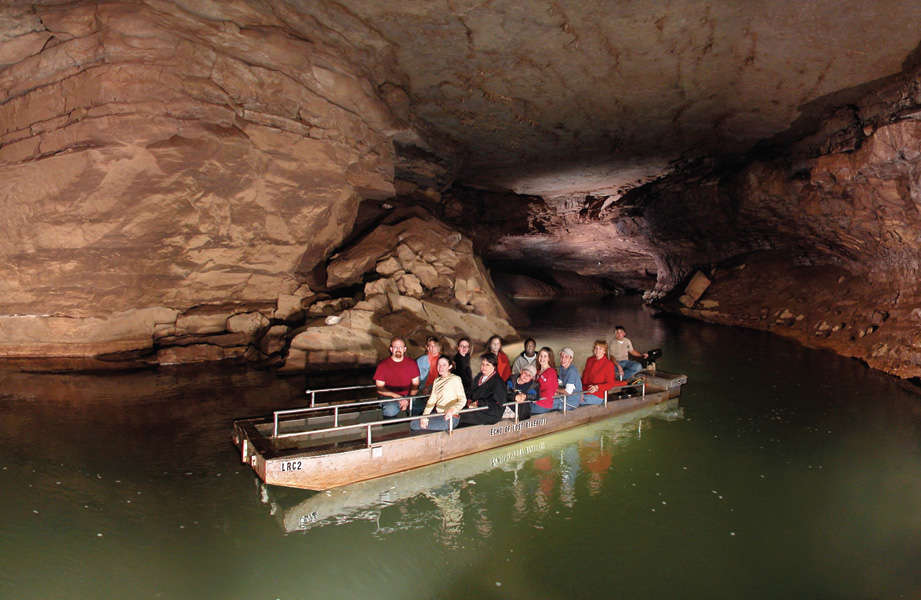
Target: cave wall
(819, 241)
(168, 165)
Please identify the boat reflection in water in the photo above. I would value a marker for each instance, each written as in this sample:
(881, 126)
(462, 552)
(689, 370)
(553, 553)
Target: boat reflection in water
(556, 457)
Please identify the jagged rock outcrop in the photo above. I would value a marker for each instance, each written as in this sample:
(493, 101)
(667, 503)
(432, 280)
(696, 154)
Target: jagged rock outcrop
(419, 278)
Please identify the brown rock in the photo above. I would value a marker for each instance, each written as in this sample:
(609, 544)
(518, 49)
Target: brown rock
(697, 286)
(380, 286)
(249, 323)
(288, 307)
(349, 266)
(388, 266)
(202, 323)
(202, 155)
(197, 353)
(409, 285)
(274, 340)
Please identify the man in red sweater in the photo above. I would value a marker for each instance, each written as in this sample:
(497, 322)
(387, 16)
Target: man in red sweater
(396, 377)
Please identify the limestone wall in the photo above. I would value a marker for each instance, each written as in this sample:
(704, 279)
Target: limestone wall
(164, 164)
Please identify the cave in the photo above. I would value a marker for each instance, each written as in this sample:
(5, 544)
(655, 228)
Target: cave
(214, 211)
(288, 183)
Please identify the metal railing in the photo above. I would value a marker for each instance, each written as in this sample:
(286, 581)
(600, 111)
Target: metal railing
(379, 401)
(313, 393)
(336, 407)
(368, 426)
(640, 384)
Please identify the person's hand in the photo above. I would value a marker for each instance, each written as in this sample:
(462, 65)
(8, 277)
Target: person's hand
(620, 372)
(404, 404)
(592, 389)
(645, 355)
(424, 423)
(519, 397)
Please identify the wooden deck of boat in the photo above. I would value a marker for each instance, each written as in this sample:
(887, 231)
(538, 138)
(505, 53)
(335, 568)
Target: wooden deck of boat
(332, 459)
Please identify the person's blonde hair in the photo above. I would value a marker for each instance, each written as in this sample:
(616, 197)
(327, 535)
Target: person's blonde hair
(603, 344)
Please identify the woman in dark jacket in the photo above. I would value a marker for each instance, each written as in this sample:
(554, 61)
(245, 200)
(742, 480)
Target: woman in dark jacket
(522, 390)
(489, 391)
(462, 364)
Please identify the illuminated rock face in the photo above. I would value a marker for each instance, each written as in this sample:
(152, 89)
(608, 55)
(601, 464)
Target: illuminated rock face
(157, 157)
(174, 173)
(821, 244)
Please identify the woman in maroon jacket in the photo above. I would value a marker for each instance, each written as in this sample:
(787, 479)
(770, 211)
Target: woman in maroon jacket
(598, 376)
(504, 367)
(547, 380)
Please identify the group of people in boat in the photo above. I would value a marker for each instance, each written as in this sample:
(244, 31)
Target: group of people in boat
(533, 382)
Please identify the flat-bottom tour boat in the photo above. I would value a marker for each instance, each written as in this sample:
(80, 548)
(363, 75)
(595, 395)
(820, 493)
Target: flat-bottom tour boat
(327, 445)
(366, 500)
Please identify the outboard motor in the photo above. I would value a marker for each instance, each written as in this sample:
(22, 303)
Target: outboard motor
(653, 355)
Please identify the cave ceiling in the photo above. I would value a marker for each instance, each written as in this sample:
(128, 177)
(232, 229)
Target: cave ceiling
(595, 97)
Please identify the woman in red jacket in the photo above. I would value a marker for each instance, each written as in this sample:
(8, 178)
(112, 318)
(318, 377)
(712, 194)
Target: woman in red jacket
(504, 369)
(547, 380)
(598, 376)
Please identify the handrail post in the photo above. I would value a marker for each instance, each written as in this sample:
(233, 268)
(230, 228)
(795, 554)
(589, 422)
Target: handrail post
(313, 398)
(565, 403)
(643, 388)
(369, 435)
(275, 427)
(606, 397)
(335, 416)
(516, 412)
(450, 425)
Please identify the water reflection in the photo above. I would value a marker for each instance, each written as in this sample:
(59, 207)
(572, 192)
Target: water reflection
(793, 474)
(540, 473)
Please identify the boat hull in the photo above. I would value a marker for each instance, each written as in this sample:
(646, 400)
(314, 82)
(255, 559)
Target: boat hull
(313, 471)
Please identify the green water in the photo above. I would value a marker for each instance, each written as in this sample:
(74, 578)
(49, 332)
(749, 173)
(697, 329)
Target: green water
(784, 472)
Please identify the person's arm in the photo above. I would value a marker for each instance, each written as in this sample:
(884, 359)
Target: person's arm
(572, 382)
(505, 368)
(589, 388)
(413, 390)
(497, 394)
(433, 400)
(382, 389)
(456, 388)
(547, 389)
(608, 378)
(631, 351)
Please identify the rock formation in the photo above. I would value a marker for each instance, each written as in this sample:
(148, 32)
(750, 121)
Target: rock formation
(182, 180)
(419, 278)
(169, 168)
(818, 242)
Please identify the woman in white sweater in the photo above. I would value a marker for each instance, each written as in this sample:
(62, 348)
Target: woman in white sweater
(447, 399)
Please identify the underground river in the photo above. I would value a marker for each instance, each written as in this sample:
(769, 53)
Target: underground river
(781, 471)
